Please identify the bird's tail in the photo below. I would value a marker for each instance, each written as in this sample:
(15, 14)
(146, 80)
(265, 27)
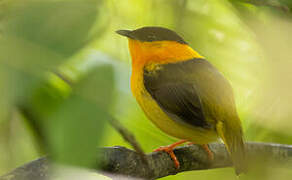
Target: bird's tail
(232, 135)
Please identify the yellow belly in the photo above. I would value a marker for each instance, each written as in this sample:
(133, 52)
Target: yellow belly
(163, 121)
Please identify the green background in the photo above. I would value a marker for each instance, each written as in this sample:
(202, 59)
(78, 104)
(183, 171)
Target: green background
(41, 113)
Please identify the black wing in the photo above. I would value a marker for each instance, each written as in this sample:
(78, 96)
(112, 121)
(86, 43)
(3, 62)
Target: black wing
(189, 91)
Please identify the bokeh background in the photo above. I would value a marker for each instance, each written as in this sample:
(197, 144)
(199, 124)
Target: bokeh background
(64, 72)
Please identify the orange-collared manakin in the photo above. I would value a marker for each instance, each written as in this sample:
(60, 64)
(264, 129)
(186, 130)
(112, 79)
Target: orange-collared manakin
(182, 93)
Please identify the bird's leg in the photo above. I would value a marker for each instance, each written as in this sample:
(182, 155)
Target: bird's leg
(210, 153)
(169, 149)
(206, 148)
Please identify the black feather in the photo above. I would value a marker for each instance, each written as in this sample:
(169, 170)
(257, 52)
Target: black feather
(152, 33)
(175, 93)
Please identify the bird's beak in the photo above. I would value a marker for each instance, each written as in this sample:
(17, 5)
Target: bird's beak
(124, 33)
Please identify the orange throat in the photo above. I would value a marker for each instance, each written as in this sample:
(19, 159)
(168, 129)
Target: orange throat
(149, 54)
(159, 52)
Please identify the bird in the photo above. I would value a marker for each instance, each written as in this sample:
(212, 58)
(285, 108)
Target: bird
(183, 94)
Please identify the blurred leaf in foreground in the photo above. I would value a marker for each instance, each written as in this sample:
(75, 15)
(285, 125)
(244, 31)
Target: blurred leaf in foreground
(70, 117)
(37, 35)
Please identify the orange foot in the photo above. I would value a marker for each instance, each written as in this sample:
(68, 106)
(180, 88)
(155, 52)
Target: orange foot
(206, 148)
(169, 149)
(210, 153)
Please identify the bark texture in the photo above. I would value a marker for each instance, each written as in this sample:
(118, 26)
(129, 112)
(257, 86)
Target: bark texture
(123, 161)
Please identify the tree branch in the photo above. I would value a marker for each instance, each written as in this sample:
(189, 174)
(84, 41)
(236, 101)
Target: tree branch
(270, 3)
(128, 137)
(120, 160)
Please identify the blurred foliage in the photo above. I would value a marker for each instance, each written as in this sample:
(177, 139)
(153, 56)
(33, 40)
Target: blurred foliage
(64, 114)
(64, 118)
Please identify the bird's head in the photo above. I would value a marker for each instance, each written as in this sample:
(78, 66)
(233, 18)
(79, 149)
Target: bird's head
(157, 44)
(152, 34)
